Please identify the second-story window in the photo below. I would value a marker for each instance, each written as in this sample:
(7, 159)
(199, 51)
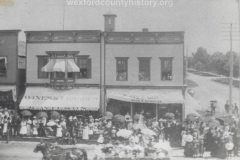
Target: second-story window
(144, 68)
(166, 68)
(42, 61)
(3, 66)
(122, 68)
(84, 63)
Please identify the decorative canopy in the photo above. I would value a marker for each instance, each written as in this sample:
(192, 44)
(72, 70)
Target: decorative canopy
(59, 65)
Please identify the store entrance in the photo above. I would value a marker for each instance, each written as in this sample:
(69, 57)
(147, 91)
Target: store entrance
(176, 109)
(148, 109)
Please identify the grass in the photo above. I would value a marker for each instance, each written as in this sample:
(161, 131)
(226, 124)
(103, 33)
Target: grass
(225, 80)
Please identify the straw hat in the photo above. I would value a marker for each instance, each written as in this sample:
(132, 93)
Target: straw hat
(75, 117)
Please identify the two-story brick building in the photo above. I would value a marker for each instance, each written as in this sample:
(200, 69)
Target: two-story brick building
(146, 72)
(123, 72)
(63, 70)
(12, 70)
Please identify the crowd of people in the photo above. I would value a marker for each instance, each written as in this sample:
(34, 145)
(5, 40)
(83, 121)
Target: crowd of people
(221, 140)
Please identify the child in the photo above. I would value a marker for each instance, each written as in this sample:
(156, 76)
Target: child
(184, 136)
(229, 147)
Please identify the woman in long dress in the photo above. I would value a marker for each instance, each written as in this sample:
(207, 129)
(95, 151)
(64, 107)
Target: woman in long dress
(59, 131)
(85, 131)
(29, 127)
(23, 130)
(63, 125)
(35, 126)
(5, 125)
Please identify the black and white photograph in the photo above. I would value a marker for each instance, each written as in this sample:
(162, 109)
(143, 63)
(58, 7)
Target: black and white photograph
(119, 79)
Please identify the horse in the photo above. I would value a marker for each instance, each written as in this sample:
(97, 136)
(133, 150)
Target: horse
(50, 152)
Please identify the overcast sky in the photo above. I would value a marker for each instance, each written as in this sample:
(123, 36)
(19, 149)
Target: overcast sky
(204, 21)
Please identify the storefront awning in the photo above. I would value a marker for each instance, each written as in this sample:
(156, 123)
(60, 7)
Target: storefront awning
(39, 98)
(191, 105)
(59, 65)
(159, 96)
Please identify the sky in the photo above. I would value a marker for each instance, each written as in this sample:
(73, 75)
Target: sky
(206, 23)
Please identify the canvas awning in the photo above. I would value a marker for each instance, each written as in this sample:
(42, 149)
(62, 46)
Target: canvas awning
(191, 105)
(160, 96)
(39, 98)
(59, 65)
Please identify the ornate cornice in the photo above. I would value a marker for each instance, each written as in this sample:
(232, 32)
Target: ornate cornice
(63, 36)
(144, 37)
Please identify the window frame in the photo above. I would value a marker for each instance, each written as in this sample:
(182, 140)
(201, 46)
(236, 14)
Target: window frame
(122, 59)
(5, 75)
(139, 67)
(42, 56)
(162, 59)
(88, 66)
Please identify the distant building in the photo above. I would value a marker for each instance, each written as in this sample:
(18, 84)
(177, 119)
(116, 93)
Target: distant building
(123, 72)
(12, 70)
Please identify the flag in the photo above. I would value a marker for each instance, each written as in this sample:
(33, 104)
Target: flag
(141, 125)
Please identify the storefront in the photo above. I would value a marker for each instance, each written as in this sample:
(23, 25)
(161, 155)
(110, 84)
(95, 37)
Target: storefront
(8, 97)
(153, 102)
(74, 100)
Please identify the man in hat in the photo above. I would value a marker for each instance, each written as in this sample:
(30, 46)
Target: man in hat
(227, 107)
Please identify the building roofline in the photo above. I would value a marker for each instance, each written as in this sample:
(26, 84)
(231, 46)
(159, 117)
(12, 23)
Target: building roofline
(149, 32)
(62, 31)
(14, 30)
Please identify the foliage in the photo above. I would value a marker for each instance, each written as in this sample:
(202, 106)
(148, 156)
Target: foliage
(217, 63)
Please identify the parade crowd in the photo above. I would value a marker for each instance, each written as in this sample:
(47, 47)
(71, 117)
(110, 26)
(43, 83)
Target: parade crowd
(126, 136)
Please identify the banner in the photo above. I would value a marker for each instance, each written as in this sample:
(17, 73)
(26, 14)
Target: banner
(6, 100)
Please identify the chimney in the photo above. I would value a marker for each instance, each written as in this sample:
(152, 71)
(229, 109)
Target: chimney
(109, 22)
(145, 30)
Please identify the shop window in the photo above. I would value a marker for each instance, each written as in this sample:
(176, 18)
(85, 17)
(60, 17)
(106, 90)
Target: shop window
(84, 63)
(144, 69)
(122, 68)
(3, 66)
(166, 68)
(42, 61)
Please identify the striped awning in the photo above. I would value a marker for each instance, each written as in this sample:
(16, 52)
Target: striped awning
(59, 65)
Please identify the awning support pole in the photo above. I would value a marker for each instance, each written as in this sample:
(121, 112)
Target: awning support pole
(157, 112)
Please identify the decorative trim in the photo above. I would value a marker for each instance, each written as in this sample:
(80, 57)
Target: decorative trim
(63, 36)
(144, 37)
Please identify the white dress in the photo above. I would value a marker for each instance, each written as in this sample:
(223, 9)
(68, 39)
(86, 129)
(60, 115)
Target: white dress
(29, 127)
(59, 131)
(5, 126)
(90, 131)
(184, 136)
(23, 129)
(35, 132)
(85, 133)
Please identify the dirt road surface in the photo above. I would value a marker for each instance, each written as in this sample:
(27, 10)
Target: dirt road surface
(209, 90)
(24, 151)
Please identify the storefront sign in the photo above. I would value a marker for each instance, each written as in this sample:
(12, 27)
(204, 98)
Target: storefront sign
(146, 96)
(50, 99)
(6, 100)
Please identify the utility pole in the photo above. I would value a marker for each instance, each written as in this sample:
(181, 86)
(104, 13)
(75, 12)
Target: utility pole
(239, 49)
(231, 71)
